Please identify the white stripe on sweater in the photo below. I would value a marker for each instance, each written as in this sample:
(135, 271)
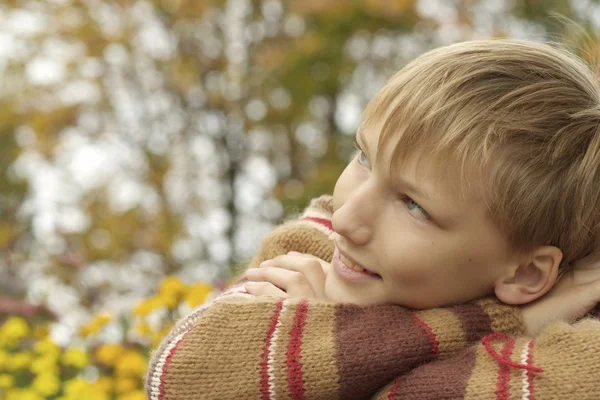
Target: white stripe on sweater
(158, 370)
(525, 373)
(272, 351)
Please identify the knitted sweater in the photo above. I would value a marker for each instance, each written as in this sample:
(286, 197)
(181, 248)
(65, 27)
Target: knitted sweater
(244, 347)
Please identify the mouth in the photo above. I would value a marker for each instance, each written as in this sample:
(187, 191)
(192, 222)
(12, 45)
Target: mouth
(350, 269)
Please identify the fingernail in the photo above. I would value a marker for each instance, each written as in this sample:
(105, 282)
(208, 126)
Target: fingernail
(250, 272)
(294, 253)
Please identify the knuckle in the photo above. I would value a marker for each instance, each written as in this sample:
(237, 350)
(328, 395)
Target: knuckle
(299, 279)
(313, 263)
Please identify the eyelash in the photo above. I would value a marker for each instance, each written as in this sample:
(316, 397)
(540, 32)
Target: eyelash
(424, 214)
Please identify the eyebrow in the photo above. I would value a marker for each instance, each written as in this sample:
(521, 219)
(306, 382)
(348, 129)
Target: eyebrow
(413, 189)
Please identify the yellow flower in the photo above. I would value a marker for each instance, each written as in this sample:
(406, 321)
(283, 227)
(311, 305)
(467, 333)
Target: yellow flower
(171, 285)
(169, 300)
(3, 359)
(78, 388)
(6, 381)
(135, 395)
(76, 385)
(45, 363)
(47, 348)
(143, 329)
(95, 324)
(19, 361)
(126, 384)
(104, 384)
(41, 332)
(197, 294)
(14, 329)
(46, 384)
(22, 394)
(109, 353)
(131, 364)
(146, 306)
(75, 357)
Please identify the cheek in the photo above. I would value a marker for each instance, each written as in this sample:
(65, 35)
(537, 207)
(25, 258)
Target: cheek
(412, 263)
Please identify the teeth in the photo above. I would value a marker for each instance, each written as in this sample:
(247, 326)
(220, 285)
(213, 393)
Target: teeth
(353, 266)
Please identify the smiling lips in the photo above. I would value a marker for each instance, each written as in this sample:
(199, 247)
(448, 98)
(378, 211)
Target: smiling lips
(350, 270)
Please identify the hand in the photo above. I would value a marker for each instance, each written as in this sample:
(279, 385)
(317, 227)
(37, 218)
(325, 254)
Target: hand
(577, 293)
(291, 275)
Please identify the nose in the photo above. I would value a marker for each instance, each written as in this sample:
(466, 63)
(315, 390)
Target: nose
(356, 217)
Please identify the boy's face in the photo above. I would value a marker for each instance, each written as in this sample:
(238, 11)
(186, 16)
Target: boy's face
(423, 243)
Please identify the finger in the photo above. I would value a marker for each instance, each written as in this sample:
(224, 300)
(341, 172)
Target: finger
(292, 282)
(589, 296)
(298, 254)
(325, 266)
(264, 289)
(576, 301)
(312, 267)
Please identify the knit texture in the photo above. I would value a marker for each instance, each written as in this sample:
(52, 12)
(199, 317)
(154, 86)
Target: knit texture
(245, 347)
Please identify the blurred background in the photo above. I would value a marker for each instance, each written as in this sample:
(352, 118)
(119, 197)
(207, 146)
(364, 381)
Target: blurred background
(147, 146)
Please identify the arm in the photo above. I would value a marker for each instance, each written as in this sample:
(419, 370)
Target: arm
(249, 347)
(562, 362)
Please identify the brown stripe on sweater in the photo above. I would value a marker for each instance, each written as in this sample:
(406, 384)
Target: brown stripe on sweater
(191, 370)
(443, 379)
(364, 333)
(475, 321)
(319, 362)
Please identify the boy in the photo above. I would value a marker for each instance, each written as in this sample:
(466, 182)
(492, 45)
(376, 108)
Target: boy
(477, 174)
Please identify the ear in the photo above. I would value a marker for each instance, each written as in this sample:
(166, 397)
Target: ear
(532, 278)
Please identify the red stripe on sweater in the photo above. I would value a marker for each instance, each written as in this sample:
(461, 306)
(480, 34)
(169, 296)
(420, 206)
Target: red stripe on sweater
(435, 345)
(264, 364)
(393, 389)
(161, 388)
(529, 373)
(322, 221)
(294, 372)
(504, 372)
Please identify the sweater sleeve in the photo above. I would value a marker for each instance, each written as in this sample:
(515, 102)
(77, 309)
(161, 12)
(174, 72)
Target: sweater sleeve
(308, 233)
(241, 346)
(562, 362)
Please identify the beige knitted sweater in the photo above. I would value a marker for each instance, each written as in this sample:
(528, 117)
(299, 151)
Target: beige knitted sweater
(245, 347)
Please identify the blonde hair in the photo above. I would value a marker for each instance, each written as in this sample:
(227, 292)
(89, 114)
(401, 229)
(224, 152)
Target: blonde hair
(528, 114)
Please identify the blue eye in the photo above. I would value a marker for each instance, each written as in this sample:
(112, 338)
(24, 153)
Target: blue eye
(415, 209)
(361, 157)
(363, 160)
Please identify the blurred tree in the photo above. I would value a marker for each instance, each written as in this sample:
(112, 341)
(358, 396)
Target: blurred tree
(146, 138)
